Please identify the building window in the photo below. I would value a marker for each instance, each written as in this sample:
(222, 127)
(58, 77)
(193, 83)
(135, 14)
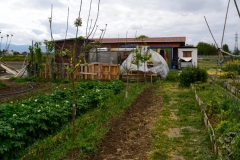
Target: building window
(187, 53)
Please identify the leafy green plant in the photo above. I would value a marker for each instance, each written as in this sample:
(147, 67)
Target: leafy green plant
(192, 74)
(22, 123)
(230, 145)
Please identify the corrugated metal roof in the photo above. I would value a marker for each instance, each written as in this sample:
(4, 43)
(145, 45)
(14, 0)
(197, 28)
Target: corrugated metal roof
(150, 39)
(131, 40)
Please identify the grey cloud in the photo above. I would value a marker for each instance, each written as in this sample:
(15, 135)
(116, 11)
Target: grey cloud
(44, 4)
(37, 32)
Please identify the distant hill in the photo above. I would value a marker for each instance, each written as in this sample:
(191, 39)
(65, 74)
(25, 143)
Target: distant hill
(21, 48)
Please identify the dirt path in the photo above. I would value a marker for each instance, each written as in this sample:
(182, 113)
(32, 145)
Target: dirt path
(130, 136)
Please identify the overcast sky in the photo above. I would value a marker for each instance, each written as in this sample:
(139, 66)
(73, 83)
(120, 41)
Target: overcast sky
(27, 20)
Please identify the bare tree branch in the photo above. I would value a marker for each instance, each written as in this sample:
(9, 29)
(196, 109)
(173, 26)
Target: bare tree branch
(9, 42)
(95, 20)
(50, 20)
(79, 13)
(94, 31)
(66, 32)
(135, 36)
(104, 30)
(89, 27)
(89, 13)
(50, 23)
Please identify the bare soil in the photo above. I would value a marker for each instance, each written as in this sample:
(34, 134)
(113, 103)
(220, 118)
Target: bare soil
(130, 136)
(12, 91)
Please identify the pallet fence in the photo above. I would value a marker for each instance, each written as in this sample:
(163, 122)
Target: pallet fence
(100, 71)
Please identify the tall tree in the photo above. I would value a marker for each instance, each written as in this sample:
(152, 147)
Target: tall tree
(206, 49)
(226, 48)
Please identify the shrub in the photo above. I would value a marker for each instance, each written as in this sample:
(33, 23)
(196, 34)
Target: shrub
(232, 66)
(192, 74)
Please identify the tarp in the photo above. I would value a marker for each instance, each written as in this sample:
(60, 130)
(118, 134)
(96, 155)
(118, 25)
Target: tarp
(187, 59)
(159, 65)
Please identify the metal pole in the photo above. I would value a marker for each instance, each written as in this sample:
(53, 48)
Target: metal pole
(97, 54)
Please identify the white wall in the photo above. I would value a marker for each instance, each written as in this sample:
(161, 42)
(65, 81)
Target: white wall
(194, 54)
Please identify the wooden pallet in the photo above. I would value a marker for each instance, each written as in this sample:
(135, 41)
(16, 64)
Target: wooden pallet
(101, 71)
(134, 76)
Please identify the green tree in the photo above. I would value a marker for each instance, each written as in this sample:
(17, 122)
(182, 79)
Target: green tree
(236, 51)
(36, 57)
(16, 53)
(206, 49)
(226, 48)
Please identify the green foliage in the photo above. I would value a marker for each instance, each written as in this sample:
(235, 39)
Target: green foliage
(206, 49)
(226, 48)
(24, 79)
(192, 74)
(172, 76)
(141, 37)
(24, 122)
(2, 84)
(49, 46)
(228, 130)
(14, 58)
(230, 145)
(236, 51)
(80, 38)
(232, 66)
(228, 74)
(91, 128)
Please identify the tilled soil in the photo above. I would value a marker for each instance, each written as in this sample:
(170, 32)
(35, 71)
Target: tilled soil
(130, 136)
(17, 91)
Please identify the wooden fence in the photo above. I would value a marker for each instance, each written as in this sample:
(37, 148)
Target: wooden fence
(207, 123)
(230, 91)
(100, 71)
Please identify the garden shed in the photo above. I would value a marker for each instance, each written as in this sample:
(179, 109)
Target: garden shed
(187, 56)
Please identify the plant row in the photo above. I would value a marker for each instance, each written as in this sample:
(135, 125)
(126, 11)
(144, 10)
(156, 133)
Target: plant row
(224, 114)
(22, 123)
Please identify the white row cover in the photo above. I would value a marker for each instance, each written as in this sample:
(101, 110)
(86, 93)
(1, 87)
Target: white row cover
(159, 66)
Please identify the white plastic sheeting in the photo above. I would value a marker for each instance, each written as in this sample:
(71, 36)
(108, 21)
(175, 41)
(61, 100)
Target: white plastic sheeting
(159, 65)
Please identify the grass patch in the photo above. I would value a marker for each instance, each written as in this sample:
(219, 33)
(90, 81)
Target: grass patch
(182, 136)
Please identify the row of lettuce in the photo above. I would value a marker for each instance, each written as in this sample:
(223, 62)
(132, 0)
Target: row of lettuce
(22, 123)
(224, 114)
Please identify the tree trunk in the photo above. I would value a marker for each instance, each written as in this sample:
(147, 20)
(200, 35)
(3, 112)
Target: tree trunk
(73, 107)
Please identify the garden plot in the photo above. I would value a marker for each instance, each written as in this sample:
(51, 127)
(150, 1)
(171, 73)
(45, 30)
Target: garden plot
(24, 122)
(223, 112)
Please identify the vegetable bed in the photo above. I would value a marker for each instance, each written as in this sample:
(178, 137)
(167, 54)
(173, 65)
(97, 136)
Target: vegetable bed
(22, 123)
(224, 115)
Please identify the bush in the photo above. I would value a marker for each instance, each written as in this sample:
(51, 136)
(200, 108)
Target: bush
(192, 74)
(232, 66)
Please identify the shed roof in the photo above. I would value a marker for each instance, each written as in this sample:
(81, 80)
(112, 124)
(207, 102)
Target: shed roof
(132, 40)
(150, 39)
